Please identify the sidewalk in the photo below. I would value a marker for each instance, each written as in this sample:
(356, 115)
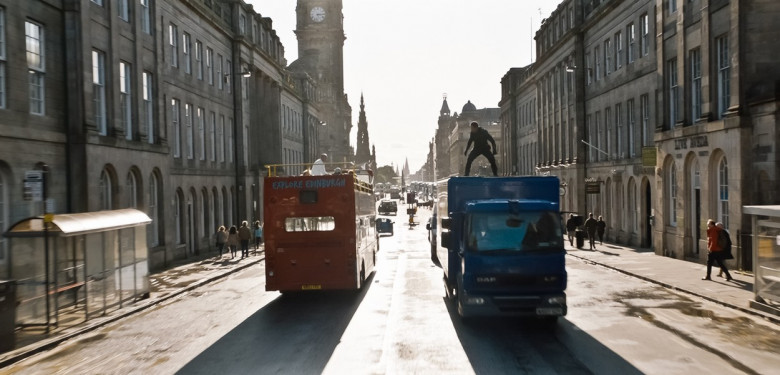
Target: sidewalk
(675, 274)
(163, 285)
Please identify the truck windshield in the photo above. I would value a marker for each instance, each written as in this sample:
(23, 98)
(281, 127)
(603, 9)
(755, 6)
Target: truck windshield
(526, 231)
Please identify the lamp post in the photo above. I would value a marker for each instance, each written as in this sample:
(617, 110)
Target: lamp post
(47, 218)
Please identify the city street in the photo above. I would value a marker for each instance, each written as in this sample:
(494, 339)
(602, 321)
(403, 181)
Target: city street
(400, 324)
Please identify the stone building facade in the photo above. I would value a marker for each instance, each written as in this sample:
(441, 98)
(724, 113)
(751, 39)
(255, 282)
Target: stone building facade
(664, 109)
(620, 81)
(518, 123)
(441, 141)
(559, 102)
(718, 134)
(172, 107)
(33, 126)
(320, 32)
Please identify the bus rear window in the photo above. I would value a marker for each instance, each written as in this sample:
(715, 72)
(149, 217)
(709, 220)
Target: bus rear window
(308, 196)
(310, 224)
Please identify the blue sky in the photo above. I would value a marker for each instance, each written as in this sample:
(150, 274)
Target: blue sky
(404, 54)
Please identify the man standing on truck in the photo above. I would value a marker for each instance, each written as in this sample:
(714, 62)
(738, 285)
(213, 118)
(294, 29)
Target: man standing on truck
(480, 137)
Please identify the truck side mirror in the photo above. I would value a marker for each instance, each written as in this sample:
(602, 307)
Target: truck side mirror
(445, 222)
(445, 239)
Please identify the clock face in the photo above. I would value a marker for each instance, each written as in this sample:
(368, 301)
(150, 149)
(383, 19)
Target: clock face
(317, 14)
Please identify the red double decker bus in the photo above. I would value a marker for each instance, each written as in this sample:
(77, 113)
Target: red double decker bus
(320, 232)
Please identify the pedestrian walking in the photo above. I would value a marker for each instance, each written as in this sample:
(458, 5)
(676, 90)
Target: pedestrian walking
(601, 227)
(724, 233)
(258, 234)
(571, 228)
(232, 241)
(244, 235)
(220, 238)
(590, 227)
(715, 244)
(480, 137)
(318, 168)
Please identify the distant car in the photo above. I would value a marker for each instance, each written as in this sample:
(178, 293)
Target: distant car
(387, 207)
(384, 225)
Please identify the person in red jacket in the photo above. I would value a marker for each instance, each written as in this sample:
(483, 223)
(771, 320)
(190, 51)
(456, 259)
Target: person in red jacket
(715, 250)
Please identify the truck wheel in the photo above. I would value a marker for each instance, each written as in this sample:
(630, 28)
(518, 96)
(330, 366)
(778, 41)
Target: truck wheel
(461, 311)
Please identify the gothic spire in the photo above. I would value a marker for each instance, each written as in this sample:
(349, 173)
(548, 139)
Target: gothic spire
(362, 151)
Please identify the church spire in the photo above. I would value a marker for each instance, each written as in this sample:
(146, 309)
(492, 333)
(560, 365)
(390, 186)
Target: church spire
(362, 151)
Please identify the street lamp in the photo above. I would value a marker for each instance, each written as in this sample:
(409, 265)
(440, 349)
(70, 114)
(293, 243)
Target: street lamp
(245, 74)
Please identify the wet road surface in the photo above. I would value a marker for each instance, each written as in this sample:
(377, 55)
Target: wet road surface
(400, 324)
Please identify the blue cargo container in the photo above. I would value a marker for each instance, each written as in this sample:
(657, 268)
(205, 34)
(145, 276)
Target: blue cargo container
(501, 245)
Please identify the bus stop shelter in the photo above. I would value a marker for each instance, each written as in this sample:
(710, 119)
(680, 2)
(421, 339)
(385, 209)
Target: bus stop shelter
(766, 256)
(82, 264)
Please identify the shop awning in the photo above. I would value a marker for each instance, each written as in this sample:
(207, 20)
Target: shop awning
(81, 223)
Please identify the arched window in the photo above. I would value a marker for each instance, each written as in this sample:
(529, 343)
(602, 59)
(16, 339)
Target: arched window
(232, 202)
(723, 192)
(216, 213)
(179, 215)
(225, 209)
(3, 217)
(206, 222)
(131, 193)
(672, 190)
(106, 189)
(191, 217)
(608, 198)
(632, 208)
(154, 211)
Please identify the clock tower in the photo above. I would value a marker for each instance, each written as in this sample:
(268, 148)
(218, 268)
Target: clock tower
(320, 32)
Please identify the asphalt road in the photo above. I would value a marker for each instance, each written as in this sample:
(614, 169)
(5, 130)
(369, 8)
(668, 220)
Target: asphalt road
(400, 324)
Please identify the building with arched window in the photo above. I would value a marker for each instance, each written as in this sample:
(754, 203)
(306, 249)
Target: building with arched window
(162, 109)
(667, 110)
(719, 123)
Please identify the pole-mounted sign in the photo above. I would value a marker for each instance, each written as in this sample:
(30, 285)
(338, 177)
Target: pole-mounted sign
(33, 186)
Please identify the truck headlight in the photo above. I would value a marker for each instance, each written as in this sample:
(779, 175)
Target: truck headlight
(557, 300)
(475, 301)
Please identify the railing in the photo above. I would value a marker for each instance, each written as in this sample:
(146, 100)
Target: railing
(346, 168)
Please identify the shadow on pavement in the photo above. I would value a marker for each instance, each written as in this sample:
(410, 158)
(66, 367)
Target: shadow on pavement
(608, 253)
(293, 334)
(524, 344)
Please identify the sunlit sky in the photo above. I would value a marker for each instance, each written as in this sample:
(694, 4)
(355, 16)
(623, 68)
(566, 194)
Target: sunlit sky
(403, 55)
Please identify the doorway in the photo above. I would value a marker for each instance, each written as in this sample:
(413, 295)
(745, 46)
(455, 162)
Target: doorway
(190, 230)
(695, 208)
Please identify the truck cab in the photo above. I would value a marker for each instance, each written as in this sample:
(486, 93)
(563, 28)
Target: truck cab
(501, 246)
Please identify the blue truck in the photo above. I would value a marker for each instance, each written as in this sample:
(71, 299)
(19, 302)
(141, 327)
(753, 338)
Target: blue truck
(501, 246)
